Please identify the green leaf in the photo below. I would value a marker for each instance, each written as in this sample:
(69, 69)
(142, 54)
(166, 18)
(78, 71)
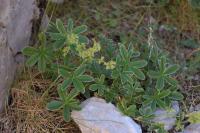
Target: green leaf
(139, 64)
(83, 39)
(161, 103)
(32, 60)
(59, 43)
(154, 74)
(29, 51)
(73, 93)
(66, 113)
(94, 87)
(138, 73)
(64, 73)
(126, 78)
(160, 83)
(123, 52)
(42, 38)
(66, 84)
(171, 81)
(80, 70)
(171, 69)
(176, 96)
(86, 78)
(54, 105)
(42, 64)
(61, 93)
(162, 62)
(80, 29)
(70, 25)
(56, 36)
(164, 94)
(79, 85)
(60, 26)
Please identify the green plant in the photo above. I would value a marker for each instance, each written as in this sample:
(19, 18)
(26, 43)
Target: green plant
(121, 72)
(67, 102)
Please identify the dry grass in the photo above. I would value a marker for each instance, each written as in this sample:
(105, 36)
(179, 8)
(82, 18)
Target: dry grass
(27, 112)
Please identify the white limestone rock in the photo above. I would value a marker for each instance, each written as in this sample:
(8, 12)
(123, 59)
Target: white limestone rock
(15, 30)
(97, 116)
(167, 117)
(192, 128)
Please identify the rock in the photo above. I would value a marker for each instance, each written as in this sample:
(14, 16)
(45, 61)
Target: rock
(15, 30)
(97, 116)
(44, 22)
(192, 128)
(167, 117)
(197, 107)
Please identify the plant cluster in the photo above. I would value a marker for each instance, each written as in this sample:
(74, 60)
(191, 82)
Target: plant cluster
(138, 79)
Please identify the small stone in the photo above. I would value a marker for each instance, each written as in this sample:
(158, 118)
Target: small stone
(167, 117)
(192, 128)
(197, 107)
(97, 116)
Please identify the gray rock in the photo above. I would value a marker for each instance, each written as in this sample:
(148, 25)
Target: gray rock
(97, 116)
(44, 22)
(192, 128)
(167, 117)
(15, 30)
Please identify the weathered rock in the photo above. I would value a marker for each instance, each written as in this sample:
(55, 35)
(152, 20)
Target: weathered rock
(167, 117)
(15, 30)
(97, 116)
(192, 128)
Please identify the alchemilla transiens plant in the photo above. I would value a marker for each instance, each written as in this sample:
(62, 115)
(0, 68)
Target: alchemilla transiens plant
(120, 72)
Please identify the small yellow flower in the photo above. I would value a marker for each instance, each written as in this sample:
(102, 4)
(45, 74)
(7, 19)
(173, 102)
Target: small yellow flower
(110, 65)
(96, 46)
(65, 50)
(72, 38)
(101, 60)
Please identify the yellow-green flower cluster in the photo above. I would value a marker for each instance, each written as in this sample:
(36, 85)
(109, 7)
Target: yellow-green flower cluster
(109, 65)
(65, 50)
(72, 38)
(89, 53)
